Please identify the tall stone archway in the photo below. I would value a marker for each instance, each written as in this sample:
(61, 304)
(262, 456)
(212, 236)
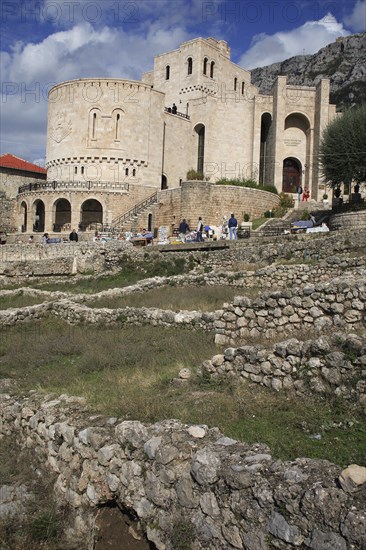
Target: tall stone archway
(38, 215)
(291, 175)
(297, 141)
(265, 153)
(91, 215)
(23, 216)
(164, 182)
(61, 215)
(200, 130)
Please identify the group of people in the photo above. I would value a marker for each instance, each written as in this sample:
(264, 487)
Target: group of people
(73, 237)
(305, 194)
(231, 225)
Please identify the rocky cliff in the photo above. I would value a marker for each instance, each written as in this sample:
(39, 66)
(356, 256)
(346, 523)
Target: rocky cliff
(343, 62)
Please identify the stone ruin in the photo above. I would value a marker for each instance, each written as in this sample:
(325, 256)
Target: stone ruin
(191, 486)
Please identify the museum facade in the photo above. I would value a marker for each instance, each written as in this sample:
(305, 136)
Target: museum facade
(121, 149)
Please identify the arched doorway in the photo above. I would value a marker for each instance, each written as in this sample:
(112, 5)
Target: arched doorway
(266, 121)
(200, 130)
(91, 215)
(38, 216)
(61, 215)
(23, 216)
(291, 175)
(164, 182)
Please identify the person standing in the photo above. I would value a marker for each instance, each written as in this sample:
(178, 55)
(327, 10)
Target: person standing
(183, 230)
(306, 195)
(199, 237)
(233, 224)
(73, 236)
(299, 192)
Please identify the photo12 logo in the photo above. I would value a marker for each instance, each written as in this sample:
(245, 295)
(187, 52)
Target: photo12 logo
(55, 12)
(266, 11)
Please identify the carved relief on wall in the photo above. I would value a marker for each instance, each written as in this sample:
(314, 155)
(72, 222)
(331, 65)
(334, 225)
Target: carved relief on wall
(61, 129)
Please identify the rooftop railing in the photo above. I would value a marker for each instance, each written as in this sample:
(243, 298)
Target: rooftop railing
(176, 113)
(74, 185)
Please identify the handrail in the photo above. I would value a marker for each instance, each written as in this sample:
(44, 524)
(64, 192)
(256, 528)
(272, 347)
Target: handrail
(152, 199)
(176, 113)
(61, 185)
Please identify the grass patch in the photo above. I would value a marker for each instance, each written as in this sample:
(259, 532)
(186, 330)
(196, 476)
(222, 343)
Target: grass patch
(130, 273)
(20, 300)
(128, 372)
(205, 298)
(40, 523)
(257, 222)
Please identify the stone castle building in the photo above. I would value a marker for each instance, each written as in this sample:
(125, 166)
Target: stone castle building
(121, 148)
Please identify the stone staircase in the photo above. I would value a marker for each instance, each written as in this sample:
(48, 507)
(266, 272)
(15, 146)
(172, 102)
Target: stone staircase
(130, 219)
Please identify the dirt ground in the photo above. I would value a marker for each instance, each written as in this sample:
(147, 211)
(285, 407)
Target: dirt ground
(116, 531)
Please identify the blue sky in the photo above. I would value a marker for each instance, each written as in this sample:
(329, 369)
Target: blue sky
(44, 42)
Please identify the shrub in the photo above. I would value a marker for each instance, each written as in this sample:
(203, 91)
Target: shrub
(242, 182)
(194, 175)
(246, 217)
(286, 201)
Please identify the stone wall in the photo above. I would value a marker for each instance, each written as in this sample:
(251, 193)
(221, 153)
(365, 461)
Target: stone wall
(327, 365)
(38, 260)
(335, 248)
(211, 202)
(7, 214)
(267, 250)
(346, 220)
(314, 307)
(188, 484)
(338, 303)
(11, 179)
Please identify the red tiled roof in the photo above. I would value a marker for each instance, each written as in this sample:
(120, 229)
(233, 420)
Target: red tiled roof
(16, 163)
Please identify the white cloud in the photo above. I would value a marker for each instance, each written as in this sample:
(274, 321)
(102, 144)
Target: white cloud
(31, 69)
(307, 39)
(357, 19)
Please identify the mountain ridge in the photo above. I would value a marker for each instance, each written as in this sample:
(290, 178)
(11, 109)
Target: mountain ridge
(342, 61)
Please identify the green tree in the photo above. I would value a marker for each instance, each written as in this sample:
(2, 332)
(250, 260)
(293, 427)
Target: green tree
(343, 148)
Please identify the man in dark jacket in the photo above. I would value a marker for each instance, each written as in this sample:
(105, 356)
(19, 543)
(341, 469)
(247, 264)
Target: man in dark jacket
(233, 224)
(73, 236)
(183, 230)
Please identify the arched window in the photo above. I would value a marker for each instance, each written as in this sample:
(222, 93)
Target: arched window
(242, 88)
(235, 84)
(75, 169)
(212, 68)
(126, 171)
(82, 169)
(118, 117)
(205, 61)
(167, 72)
(94, 124)
(134, 172)
(190, 65)
(94, 119)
